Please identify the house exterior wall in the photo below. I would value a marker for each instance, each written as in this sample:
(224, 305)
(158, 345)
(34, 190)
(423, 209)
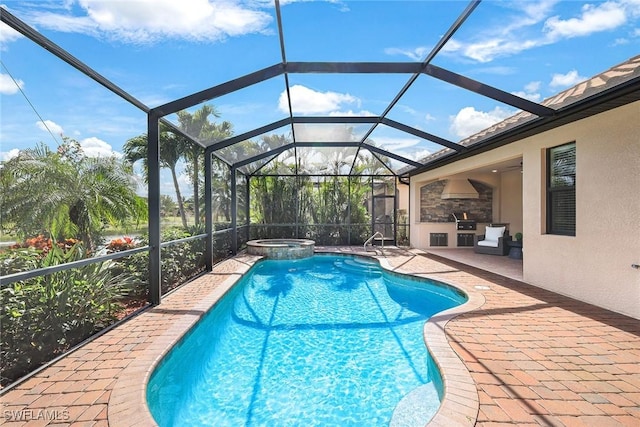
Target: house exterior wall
(594, 265)
(403, 196)
(511, 200)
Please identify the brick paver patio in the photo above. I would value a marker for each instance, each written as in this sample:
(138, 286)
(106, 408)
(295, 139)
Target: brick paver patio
(536, 358)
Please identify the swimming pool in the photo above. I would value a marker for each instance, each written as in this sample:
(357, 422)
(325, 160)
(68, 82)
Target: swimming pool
(328, 340)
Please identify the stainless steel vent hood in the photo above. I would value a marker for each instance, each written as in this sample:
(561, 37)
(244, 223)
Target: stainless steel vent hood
(459, 189)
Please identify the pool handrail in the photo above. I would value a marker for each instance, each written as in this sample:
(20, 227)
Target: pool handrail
(370, 239)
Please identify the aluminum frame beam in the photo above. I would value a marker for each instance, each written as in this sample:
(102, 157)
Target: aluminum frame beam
(208, 211)
(248, 135)
(264, 155)
(334, 119)
(234, 212)
(386, 153)
(437, 48)
(279, 150)
(369, 147)
(24, 29)
(153, 205)
(219, 90)
(353, 67)
(422, 134)
(488, 91)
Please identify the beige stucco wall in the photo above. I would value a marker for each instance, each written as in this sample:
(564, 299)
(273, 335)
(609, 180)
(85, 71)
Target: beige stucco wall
(511, 200)
(403, 196)
(595, 265)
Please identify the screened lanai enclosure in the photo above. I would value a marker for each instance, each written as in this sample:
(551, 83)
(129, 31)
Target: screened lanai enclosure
(98, 231)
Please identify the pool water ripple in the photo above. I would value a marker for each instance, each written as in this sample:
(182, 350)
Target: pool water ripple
(306, 342)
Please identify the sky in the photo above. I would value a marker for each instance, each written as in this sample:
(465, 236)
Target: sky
(162, 50)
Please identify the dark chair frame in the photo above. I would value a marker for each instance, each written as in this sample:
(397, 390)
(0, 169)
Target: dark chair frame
(503, 243)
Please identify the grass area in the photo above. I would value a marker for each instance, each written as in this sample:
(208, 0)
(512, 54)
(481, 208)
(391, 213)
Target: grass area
(126, 230)
(4, 237)
(111, 231)
(137, 229)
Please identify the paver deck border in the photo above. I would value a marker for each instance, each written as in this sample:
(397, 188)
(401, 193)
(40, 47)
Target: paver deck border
(524, 356)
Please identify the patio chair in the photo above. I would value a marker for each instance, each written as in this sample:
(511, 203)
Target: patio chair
(494, 241)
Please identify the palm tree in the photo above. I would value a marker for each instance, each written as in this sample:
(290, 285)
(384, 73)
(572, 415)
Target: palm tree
(198, 126)
(67, 194)
(172, 149)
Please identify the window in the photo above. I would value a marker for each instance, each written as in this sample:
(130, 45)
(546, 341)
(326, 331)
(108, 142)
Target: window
(561, 190)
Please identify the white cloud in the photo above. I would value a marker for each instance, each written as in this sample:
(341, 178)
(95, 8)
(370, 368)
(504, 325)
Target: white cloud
(404, 147)
(469, 121)
(489, 49)
(517, 34)
(95, 147)
(537, 11)
(8, 86)
(145, 21)
(594, 18)
(428, 117)
(50, 126)
(535, 97)
(566, 80)
(530, 91)
(452, 45)
(396, 145)
(324, 132)
(8, 155)
(351, 113)
(417, 54)
(532, 86)
(418, 155)
(507, 38)
(309, 101)
(7, 35)
(407, 109)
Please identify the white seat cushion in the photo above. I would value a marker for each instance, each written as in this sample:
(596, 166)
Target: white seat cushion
(494, 233)
(489, 243)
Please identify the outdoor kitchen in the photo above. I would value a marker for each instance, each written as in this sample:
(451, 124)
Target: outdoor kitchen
(453, 211)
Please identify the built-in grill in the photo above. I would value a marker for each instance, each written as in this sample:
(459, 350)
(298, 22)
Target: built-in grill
(463, 221)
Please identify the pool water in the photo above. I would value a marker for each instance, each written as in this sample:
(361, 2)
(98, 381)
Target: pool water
(323, 341)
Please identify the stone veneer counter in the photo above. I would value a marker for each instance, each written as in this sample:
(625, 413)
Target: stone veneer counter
(281, 248)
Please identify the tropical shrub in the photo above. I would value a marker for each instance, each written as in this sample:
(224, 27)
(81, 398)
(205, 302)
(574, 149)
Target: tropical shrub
(66, 193)
(44, 316)
(28, 254)
(119, 245)
(180, 262)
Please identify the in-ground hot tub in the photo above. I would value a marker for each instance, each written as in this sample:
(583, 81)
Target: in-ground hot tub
(281, 248)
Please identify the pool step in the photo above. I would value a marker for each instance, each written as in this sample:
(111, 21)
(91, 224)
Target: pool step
(358, 265)
(365, 261)
(417, 407)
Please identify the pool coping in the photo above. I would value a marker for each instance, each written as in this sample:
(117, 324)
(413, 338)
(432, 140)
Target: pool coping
(127, 404)
(460, 403)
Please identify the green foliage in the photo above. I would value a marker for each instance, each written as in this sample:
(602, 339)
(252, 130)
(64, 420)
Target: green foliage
(64, 193)
(44, 316)
(331, 210)
(180, 262)
(402, 222)
(276, 200)
(172, 149)
(175, 147)
(168, 206)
